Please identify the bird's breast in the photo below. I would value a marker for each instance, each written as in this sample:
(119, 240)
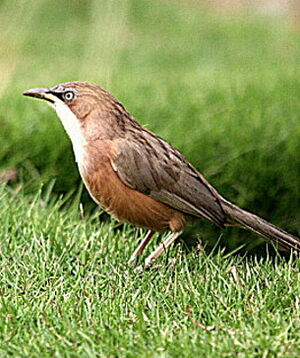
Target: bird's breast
(124, 203)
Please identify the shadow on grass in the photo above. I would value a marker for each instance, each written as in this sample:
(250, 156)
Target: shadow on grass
(231, 242)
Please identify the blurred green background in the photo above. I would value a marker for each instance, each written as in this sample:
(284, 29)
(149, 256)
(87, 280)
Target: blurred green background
(217, 80)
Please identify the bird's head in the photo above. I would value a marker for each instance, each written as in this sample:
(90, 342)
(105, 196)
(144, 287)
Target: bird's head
(85, 109)
(81, 98)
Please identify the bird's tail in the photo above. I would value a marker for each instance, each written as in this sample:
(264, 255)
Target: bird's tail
(268, 231)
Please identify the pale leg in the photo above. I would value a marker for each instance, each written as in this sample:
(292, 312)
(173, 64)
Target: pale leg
(161, 248)
(139, 250)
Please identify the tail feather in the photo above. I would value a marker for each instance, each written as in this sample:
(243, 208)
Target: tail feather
(277, 236)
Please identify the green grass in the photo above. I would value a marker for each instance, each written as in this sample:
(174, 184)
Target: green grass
(66, 291)
(224, 90)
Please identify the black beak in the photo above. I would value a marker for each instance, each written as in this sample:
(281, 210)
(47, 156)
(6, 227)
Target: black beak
(42, 93)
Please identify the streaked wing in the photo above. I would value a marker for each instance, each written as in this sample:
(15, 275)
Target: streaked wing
(152, 166)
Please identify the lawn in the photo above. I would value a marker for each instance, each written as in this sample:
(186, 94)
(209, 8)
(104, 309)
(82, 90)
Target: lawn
(224, 89)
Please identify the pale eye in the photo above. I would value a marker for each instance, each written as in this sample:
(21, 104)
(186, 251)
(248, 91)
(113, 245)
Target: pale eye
(68, 96)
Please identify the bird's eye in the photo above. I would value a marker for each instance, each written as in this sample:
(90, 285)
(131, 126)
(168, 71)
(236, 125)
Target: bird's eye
(68, 96)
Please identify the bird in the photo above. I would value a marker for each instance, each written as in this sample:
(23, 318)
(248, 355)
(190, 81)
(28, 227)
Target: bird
(138, 177)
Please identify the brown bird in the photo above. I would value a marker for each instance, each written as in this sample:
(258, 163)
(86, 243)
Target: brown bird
(136, 176)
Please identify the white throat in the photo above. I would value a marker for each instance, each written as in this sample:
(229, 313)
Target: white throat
(73, 128)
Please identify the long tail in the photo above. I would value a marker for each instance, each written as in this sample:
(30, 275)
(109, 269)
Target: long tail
(277, 236)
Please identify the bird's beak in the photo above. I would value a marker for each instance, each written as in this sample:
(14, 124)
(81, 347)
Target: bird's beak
(42, 93)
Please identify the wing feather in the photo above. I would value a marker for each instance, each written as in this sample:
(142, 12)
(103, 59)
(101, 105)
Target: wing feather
(152, 166)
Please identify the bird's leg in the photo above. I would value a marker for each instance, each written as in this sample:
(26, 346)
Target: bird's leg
(139, 250)
(161, 248)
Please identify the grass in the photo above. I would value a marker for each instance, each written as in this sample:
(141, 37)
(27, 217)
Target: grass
(66, 291)
(225, 91)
